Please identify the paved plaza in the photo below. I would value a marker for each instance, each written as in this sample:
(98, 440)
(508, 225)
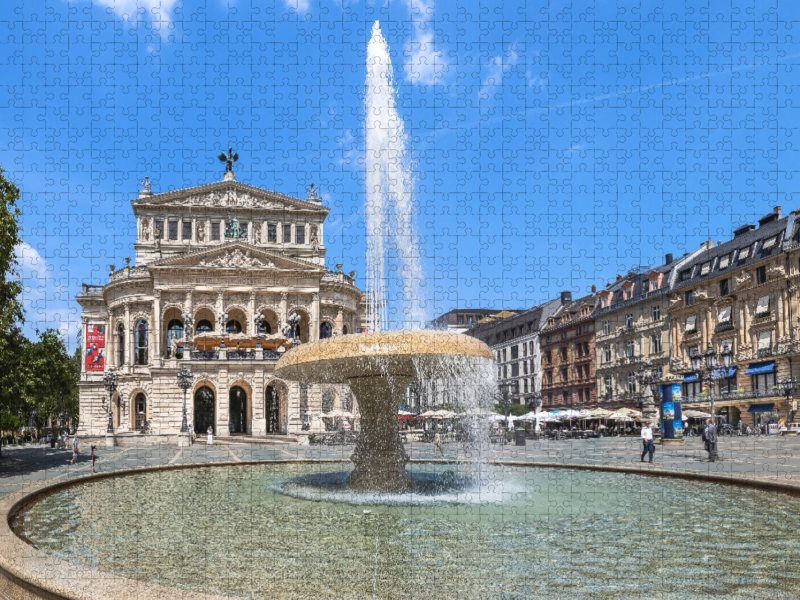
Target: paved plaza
(763, 458)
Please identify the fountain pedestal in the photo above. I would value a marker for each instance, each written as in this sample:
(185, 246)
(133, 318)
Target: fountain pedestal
(379, 457)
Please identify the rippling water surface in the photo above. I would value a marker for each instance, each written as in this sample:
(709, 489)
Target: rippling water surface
(536, 533)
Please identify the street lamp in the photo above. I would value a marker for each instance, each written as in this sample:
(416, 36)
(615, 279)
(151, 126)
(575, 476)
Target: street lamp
(704, 364)
(223, 323)
(110, 380)
(787, 387)
(185, 379)
(648, 379)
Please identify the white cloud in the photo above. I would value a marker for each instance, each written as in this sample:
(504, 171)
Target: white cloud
(426, 65)
(496, 67)
(45, 300)
(156, 11)
(299, 6)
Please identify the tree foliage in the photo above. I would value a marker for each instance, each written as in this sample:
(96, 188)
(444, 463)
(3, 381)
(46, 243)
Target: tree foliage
(35, 375)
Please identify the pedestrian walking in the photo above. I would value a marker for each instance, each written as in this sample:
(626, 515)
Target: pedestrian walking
(210, 435)
(648, 445)
(437, 443)
(710, 440)
(74, 448)
(192, 433)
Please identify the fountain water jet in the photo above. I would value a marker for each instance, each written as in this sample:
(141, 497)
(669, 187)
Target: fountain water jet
(378, 367)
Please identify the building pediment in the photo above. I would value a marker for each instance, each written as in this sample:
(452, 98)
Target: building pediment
(239, 256)
(229, 195)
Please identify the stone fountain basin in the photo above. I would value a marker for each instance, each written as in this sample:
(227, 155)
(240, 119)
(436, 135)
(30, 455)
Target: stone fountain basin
(409, 354)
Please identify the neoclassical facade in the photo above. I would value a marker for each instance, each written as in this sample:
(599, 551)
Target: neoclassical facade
(227, 277)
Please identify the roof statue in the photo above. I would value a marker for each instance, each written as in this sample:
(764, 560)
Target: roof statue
(228, 159)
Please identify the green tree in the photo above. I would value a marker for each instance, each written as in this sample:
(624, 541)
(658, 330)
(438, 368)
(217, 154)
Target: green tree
(12, 342)
(52, 378)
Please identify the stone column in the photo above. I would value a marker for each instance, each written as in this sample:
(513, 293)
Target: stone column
(314, 333)
(251, 307)
(109, 359)
(284, 316)
(782, 319)
(223, 410)
(194, 230)
(156, 357)
(259, 421)
(84, 321)
(128, 335)
(339, 321)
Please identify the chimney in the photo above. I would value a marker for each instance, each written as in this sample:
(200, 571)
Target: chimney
(594, 289)
(619, 277)
(566, 296)
(668, 259)
(777, 211)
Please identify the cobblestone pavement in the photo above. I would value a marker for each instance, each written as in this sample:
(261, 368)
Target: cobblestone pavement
(763, 457)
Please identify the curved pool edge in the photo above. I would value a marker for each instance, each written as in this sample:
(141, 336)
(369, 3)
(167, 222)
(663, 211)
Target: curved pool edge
(29, 573)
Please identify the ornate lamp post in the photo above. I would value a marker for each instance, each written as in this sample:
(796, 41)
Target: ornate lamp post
(787, 387)
(110, 380)
(185, 380)
(704, 364)
(223, 323)
(648, 380)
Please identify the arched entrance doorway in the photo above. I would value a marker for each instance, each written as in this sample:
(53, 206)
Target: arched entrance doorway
(238, 410)
(272, 409)
(140, 411)
(203, 410)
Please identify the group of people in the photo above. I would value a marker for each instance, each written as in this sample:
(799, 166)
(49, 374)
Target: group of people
(709, 438)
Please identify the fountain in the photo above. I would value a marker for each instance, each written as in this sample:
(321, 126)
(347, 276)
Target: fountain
(379, 367)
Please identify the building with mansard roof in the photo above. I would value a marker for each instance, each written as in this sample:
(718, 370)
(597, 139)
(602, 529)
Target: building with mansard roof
(737, 297)
(226, 277)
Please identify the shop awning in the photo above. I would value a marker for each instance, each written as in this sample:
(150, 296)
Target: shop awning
(761, 408)
(723, 373)
(759, 368)
(690, 378)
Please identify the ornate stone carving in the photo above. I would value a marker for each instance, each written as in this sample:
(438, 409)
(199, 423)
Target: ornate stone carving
(236, 259)
(257, 232)
(201, 231)
(145, 230)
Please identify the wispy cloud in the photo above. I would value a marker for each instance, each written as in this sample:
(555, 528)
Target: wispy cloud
(425, 63)
(45, 300)
(158, 12)
(496, 67)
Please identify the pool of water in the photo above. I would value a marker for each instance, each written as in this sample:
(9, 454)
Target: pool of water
(526, 532)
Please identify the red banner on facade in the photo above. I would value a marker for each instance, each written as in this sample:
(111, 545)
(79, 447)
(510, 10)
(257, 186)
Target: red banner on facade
(95, 347)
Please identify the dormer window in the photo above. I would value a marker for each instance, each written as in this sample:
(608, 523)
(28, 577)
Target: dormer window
(724, 261)
(686, 274)
(653, 285)
(770, 242)
(744, 253)
(706, 268)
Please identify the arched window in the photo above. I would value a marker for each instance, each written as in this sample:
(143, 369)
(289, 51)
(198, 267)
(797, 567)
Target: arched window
(265, 327)
(140, 410)
(233, 326)
(204, 326)
(325, 330)
(120, 345)
(174, 332)
(344, 330)
(141, 342)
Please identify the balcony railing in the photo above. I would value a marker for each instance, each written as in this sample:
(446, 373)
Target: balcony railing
(765, 352)
(269, 355)
(205, 354)
(724, 326)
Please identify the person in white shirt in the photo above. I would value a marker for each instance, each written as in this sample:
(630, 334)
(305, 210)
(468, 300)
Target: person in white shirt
(647, 441)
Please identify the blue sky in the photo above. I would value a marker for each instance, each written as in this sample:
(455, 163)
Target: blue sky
(556, 144)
